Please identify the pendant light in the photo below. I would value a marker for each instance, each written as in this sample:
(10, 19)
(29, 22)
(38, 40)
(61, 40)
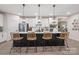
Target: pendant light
(54, 12)
(39, 11)
(23, 17)
(54, 21)
(39, 21)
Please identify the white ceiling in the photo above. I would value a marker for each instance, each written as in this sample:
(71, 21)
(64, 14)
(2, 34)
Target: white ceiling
(45, 9)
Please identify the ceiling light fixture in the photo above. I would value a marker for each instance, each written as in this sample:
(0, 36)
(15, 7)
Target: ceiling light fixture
(39, 21)
(39, 12)
(36, 14)
(54, 12)
(23, 16)
(68, 13)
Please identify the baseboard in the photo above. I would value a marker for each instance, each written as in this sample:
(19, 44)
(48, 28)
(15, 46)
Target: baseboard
(3, 42)
(73, 39)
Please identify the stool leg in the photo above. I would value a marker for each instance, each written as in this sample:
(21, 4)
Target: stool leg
(20, 47)
(44, 46)
(20, 50)
(35, 49)
(50, 45)
(35, 46)
(27, 47)
(10, 50)
(67, 44)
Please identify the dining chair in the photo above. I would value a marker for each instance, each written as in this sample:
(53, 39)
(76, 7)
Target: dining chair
(16, 38)
(47, 37)
(31, 37)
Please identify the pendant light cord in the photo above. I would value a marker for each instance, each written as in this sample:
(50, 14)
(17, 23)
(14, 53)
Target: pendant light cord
(39, 11)
(54, 11)
(23, 8)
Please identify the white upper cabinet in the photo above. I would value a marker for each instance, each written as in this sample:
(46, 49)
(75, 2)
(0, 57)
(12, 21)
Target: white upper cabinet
(1, 20)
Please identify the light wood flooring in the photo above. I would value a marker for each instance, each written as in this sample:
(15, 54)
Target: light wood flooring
(72, 50)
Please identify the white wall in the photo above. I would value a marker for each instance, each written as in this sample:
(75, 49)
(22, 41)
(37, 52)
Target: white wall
(73, 34)
(11, 23)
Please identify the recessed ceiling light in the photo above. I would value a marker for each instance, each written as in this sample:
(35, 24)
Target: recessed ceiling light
(50, 14)
(19, 13)
(36, 14)
(68, 13)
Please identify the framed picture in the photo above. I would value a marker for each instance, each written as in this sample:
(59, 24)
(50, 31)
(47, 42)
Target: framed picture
(72, 28)
(74, 20)
(72, 23)
(76, 29)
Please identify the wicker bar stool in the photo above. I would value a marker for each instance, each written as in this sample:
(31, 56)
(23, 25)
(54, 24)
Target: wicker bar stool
(31, 37)
(16, 37)
(64, 36)
(47, 36)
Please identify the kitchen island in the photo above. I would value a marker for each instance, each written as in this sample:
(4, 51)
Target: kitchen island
(39, 41)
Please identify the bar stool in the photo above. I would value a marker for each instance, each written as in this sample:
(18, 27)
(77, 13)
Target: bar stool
(64, 36)
(16, 37)
(31, 37)
(47, 36)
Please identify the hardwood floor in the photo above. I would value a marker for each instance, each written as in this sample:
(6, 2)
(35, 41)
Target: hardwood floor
(72, 50)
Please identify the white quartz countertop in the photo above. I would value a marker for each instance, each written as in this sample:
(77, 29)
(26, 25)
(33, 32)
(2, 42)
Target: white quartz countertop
(37, 32)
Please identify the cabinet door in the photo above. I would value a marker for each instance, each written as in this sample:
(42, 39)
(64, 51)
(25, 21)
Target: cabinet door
(1, 27)
(1, 37)
(1, 20)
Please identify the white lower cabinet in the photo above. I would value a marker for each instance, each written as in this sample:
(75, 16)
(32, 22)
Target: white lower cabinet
(1, 36)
